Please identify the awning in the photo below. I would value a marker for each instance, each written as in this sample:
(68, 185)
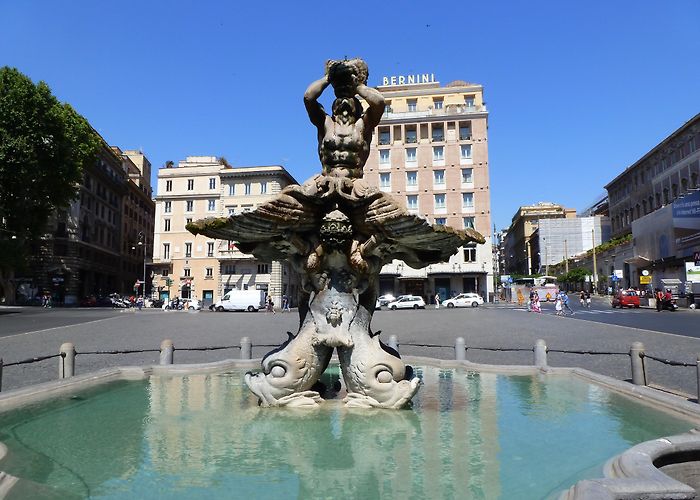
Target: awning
(639, 261)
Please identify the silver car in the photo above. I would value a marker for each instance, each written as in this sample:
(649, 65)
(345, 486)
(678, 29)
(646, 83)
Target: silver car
(407, 302)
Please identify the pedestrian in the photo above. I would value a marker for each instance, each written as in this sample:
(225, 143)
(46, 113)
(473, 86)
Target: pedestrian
(558, 305)
(270, 304)
(565, 302)
(530, 302)
(437, 300)
(139, 303)
(536, 304)
(582, 299)
(285, 304)
(588, 300)
(659, 299)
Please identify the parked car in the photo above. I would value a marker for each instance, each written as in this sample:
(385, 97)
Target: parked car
(383, 300)
(464, 300)
(407, 302)
(625, 298)
(193, 305)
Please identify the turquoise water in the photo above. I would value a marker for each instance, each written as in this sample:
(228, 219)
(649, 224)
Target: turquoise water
(467, 435)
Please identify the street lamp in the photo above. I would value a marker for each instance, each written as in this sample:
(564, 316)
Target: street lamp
(142, 243)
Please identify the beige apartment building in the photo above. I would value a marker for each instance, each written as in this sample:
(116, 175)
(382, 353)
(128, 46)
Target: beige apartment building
(430, 151)
(191, 266)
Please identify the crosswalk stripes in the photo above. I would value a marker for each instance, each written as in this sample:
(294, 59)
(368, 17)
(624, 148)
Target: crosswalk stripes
(592, 312)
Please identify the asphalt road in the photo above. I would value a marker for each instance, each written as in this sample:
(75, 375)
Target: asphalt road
(34, 332)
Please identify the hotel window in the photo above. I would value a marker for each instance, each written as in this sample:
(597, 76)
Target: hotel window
(411, 178)
(263, 188)
(263, 268)
(387, 107)
(438, 152)
(411, 104)
(168, 185)
(468, 200)
(441, 221)
(411, 154)
(384, 136)
(412, 202)
(189, 206)
(465, 131)
(437, 103)
(212, 182)
(190, 184)
(230, 269)
(231, 211)
(188, 220)
(468, 222)
(469, 101)
(411, 135)
(439, 201)
(438, 177)
(164, 273)
(209, 272)
(246, 188)
(231, 189)
(166, 225)
(186, 272)
(166, 251)
(438, 133)
(384, 156)
(167, 207)
(470, 252)
(211, 205)
(210, 248)
(385, 180)
(465, 150)
(188, 250)
(467, 175)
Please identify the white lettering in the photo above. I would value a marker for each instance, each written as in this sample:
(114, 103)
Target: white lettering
(385, 81)
(411, 79)
(393, 80)
(402, 80)
(408, 79)
(425, 78)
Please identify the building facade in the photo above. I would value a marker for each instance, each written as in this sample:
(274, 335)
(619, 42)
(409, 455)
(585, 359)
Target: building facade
(518, 252)
(657, 201)
(430, 151)
(191, 266)
(84, 252)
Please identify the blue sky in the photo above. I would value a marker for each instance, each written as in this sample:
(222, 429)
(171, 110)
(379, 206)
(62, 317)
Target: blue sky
(577, 91)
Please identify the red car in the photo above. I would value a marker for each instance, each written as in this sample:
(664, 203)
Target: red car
(626, 298)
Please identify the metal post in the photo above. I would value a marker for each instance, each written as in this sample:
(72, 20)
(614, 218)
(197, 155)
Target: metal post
(540, 351)
(66, 360)
(594, 288)
(167, 352)
(566, 256)
(394, 342)
(1, 365)
(460, 349)
(697, 363)
(246, 348)
(637, 359)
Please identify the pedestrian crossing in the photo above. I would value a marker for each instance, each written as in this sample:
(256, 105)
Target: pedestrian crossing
(592, 312)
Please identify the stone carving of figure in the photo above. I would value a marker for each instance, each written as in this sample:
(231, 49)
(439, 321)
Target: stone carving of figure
(344, 137)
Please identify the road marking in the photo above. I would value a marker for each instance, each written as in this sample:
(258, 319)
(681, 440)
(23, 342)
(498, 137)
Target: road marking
(56, 328)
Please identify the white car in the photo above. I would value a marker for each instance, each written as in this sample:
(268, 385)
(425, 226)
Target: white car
(407, 302)
(385, 299)
(193, 305)
(464, 300)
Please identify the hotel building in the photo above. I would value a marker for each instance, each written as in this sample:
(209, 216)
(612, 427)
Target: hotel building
(191, 266)
(430, 151)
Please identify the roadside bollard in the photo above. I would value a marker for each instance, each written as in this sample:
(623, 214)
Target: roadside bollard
(66, 360)
(637, 359)
(394, 342)
(246, 348)
(540, 351)
(460, 349)
(167, 352)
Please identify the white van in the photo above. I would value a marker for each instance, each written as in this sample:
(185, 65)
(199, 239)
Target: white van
(240, 300)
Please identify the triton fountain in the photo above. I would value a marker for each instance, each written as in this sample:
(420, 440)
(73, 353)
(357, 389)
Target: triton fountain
(337, 231)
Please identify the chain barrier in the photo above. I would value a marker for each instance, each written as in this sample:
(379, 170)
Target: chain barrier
(34, 360)
(670, 362)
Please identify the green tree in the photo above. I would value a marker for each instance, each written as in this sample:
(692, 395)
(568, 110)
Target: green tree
(44, 145)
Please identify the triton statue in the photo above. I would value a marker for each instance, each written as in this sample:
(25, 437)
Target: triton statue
(337, 231)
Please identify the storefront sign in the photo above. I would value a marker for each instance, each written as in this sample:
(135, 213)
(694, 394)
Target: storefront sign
(408, 79)
(645, 280)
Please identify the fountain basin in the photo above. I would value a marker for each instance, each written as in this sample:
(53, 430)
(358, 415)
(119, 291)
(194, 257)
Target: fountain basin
(191, 431)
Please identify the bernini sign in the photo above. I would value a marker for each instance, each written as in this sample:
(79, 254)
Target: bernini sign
(408, 79)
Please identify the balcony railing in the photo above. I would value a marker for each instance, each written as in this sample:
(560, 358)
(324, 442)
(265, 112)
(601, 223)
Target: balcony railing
(448, 110)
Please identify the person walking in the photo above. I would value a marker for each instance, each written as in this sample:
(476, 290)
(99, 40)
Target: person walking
(659, 299)
(582, 299)
(437, 300)
(565, 303)
(536, 304)
(558, 305)
(285, 303)
(270, 304)
(588, 300)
